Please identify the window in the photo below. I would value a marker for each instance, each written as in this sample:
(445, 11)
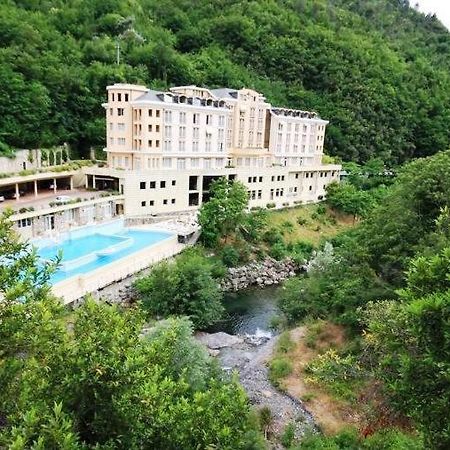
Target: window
(162, 184)
(208, 119)
(181, 146)
(142, 184)
(119, 97)
(168, 145)
(150, 113)
(156, 128)
(260, 179)
(151, 203)
(111, 112)
(310, 188)
(167, 163)
(207, 163)
(112, 96)
(172, 201)
(167, 131)
(182, 132)
(182, 117)
(143, 203)
(24, 223)
(174, 182)
(150, 143)
(221, 121)
(121, 126)
(168, 116)
(157, 113)
(181, 163)
(111, 126)
(273, 177)
(111, 141)
(126, 97)
(195, 146)
(152, 184)
(196, 132)
(157, 143)
(120, 111)
(165, 201)
(121, 141)
(296, 176)
(249, 179)
(259, 194)
(195, 118)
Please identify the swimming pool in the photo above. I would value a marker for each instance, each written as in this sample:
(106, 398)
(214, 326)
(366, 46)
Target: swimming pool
(86, 250)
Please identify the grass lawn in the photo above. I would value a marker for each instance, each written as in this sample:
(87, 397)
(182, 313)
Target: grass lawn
(308, 224)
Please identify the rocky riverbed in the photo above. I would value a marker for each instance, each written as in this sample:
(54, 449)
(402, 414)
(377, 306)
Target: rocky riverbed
(248, 355)
(259, 273)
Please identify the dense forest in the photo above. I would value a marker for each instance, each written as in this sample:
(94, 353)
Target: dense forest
(378, 70)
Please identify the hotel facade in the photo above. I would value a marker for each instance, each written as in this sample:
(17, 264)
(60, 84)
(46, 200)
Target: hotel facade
(164, 149)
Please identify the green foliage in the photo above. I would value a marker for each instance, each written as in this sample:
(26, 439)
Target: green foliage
(278, 251)
(288, 435)
(102, 384)
(285, 343)
(230, 256)
(386, 93)
(412, 337)
(279, 368)
(183, 287)
(224, 212)
(347, 198)
(21, 276)
(388, 439)
(339, 373)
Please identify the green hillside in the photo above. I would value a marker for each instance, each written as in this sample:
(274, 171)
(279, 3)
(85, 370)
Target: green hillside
(377, 69)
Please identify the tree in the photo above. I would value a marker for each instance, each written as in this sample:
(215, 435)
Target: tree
(22, 275)
(183, 287)
(347, 198)
(224, 212)
(92, 380)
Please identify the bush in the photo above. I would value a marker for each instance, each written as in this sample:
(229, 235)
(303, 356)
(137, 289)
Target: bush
(288, 226)
(279, 368)
(272, 236)
(338, 373)
(288, 436)
(183, 287)
(302, 221)
(270, 205)
(230, 256)
(278, 251)
(285, 343)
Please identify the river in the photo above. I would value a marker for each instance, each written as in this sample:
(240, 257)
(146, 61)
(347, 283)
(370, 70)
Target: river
(249, 312)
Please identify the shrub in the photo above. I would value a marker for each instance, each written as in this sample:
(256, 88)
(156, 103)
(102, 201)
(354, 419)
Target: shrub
(285, 343)
(270, 205)
(183, 287)
(230, 256)
(288, 436)
(338, 373)
(279, 368)
(278, 251)
(288, 226)
(272, 236)
(302, 221)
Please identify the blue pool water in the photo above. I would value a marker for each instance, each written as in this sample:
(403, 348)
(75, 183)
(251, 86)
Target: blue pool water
(93, 250)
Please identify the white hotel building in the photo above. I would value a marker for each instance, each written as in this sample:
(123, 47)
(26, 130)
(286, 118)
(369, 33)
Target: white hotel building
(165, 148)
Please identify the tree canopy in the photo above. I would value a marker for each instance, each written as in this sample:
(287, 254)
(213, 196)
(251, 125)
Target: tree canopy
(378, 70)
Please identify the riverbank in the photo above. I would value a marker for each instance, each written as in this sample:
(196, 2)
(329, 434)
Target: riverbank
(248, 355)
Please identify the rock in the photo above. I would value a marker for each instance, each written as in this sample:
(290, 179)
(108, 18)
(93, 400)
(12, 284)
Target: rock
(219, 340)
(213, 352)
(266, 394)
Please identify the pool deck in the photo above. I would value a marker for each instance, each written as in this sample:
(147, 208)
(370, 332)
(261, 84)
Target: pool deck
(74, 288)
